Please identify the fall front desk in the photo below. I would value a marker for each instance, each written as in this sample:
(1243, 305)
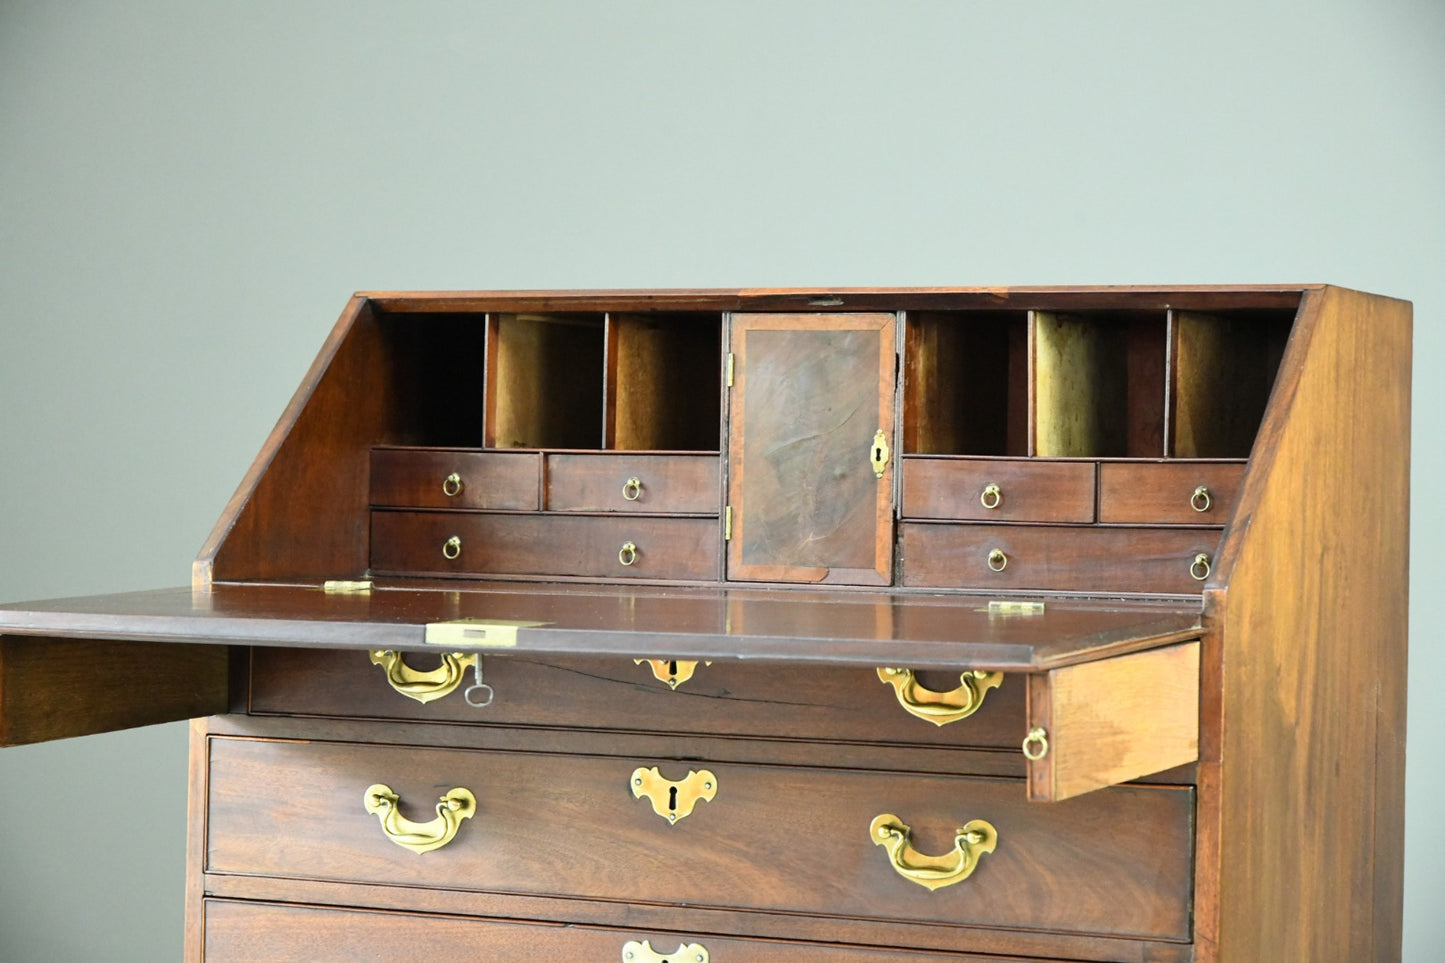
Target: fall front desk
(811, 625)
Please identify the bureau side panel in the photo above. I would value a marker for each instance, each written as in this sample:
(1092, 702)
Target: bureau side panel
(1308, 832)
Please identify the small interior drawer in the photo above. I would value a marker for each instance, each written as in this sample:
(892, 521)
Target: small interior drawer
(778, 838)
(1056, 558)
(631, 482)
(998, 489)
(450, 478)
(472, 543)
(1168, 493)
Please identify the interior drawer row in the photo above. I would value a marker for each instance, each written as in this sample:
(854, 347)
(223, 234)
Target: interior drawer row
(774, 838)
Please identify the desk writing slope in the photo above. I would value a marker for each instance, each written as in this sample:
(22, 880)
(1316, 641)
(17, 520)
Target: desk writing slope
(723, 624)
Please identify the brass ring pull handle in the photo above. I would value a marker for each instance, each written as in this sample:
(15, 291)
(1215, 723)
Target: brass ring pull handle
(424, 686)
(455, 806)
(1200, 500)
(970, 842)
(997, 560)
(1199, 568)
(635, 952)
(1036, 744)
(627, 554)
(452, 547)
(632, 489)
(940, 708)
(452, 485)
(992, 496)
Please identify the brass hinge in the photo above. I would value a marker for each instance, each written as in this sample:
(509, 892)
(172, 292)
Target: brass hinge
(337, 586)
(730, 367)
(728, 524)
(473, 633)
(1014, 607)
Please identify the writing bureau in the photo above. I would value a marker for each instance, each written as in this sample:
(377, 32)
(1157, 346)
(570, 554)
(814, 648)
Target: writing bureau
(859, 625)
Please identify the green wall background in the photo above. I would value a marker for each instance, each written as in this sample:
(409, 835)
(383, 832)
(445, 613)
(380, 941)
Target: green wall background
(189, 192)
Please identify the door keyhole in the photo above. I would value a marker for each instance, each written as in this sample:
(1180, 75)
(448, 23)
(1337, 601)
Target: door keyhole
(672, 799)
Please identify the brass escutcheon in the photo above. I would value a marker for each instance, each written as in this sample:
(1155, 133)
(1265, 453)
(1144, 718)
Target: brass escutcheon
(1200, 500)
(940, 708)
(424, 685)
(635, 952)
(991, 497)
(970, 842)
(674, 672)
(673, 800)
(1199, 568)
(1037, 737)
(878, 453)
(627, 554)
(452, 547)
(452, 485)
(997, 560)
(632, 489)
(456, 805)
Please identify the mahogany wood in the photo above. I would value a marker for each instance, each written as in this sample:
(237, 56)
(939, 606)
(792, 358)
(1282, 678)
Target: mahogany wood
(1029, 491)
(965, 387)
(1136, 493)
(663, 375)
(1224, 368)
(670, 484)
(415, 478)
(544, 381)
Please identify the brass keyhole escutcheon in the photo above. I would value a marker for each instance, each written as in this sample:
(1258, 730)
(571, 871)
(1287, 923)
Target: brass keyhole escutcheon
(671, 800)
(635, 952)
(673, 672)
(878, 454)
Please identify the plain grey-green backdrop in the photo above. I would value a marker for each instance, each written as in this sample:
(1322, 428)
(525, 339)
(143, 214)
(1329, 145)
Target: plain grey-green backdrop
(189, 192)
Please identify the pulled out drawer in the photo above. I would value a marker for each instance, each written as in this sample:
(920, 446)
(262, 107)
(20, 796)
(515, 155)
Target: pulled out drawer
(908, 847)
(480, 543)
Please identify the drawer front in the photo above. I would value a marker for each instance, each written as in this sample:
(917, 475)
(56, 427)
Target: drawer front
(245, 932)
(1169, 493)
(777, 838)
(727, 699)
(589, 546)
(969, 489)
(415, 478)
(1057, 558)
(627, 482)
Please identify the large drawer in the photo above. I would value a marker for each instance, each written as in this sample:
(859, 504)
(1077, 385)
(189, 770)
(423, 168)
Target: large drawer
(480, 543)
(631, 482)
(998, 489)
(778, 838)
(1168, 493)
(245, 932)
(725, 698)
(444, 478)
(1076, 559)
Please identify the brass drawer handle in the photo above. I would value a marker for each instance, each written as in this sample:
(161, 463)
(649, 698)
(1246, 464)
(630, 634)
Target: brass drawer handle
(455, 806)
(970, 842)
(635, 952)
(1199, 568)
(940, 708)
(1200, 500)
(452, 485)
(673, 800)
(424, 685)
(627, 554)
(1036, 744)
(452, 547)
(997, 560)
(632, 489)
(991, 497)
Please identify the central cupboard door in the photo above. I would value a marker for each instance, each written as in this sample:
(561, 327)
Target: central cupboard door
(809, 439)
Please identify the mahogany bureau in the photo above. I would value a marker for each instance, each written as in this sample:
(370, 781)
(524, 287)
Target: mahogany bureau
(828, 625)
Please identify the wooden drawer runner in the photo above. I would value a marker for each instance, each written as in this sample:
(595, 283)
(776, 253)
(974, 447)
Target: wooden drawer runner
(630, 482)
(1168, 493)
(583, 545)
(245, 932)
(1018, 490)
(726, 698)
(779, 838)
(1081, 559)
(438, 478)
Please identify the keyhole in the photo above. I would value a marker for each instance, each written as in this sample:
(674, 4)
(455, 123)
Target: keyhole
(672, 668)
(672, 798)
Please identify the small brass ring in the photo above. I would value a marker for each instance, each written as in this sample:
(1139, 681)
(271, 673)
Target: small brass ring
(627, 554)
(997, 560)
(1200, 500)
(452, 547)
(452, 485)
(632, 489)
(1199, 568)
(1037, 737)
(991, 497)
